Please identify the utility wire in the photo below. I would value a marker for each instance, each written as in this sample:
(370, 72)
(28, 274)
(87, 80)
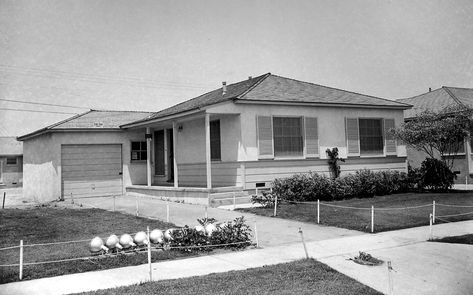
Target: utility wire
(42, 103)
(102, 76)
(36, 111)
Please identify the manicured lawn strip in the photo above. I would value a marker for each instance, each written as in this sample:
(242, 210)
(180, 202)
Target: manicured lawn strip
(50, 224)
(299, 277)
(465, 239)
(384, 220)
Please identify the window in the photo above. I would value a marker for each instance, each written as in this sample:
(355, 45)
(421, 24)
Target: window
(215, 145)
(371, 136)
(287, 134)
(11, 161)
(138, 151)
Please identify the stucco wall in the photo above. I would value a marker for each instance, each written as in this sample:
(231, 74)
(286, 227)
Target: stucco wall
(42, 160)
(331, 123)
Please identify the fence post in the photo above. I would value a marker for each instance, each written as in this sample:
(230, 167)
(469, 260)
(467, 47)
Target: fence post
(430, 227)
(206, 213)
(4, 196)
(433, 212)
(390, 278)
(234, 200)
(149, 256)
(303, 243)
(167, 212)
(72, 199)
(256, 236)
(318, 211)
(372, 219)
(275, 205)
(137, 207)
(114, 203)
(21, 260)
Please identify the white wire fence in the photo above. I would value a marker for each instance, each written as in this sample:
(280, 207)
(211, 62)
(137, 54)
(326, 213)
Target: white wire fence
(372, 219)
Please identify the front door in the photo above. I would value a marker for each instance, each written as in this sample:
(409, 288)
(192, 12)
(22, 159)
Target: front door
(170, 155)
(159, 164)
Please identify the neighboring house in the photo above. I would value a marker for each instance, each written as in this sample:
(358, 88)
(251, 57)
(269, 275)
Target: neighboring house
(437, 100)
(238, 137)
(11, 161)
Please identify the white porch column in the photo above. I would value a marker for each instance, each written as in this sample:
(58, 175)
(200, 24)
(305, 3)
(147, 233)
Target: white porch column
(174, 154)
(208, 162)
(468, 157)
(148, 155)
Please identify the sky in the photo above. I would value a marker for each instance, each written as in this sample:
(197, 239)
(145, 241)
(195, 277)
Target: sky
(149, 55)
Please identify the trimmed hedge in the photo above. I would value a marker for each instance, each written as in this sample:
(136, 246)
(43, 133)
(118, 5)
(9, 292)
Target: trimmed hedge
(362, 184)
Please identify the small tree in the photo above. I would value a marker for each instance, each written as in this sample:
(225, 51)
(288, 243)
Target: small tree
(440, 132)
(333, 162)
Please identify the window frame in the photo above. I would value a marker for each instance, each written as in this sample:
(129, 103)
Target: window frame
(140, 151)
(382, 152)
(10, 158)
(302, 154)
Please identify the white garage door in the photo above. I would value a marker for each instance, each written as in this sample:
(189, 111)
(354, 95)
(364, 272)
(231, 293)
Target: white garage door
(91, 170)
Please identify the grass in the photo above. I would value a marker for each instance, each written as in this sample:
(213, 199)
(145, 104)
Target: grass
(464, 239)
(299, 277)
(384, 220)
(50, 224)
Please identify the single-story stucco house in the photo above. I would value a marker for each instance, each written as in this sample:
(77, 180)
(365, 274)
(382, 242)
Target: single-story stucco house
(11, 161)
(236, 138)
(436, 100)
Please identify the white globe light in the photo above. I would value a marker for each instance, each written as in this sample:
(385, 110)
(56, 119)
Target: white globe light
(210, 228)
(112, 242)
(126, 241)
(156, 236)
(168, 234)
(141, 238)
(96, 245)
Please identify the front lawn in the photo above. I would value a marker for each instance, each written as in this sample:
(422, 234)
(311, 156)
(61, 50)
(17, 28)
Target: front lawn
(299, 277)
(384, 220)
(50, 224)
(464, 239)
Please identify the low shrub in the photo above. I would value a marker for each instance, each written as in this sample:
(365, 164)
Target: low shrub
(266, 199)
(235, 234)
(436, 175)
(361, 184)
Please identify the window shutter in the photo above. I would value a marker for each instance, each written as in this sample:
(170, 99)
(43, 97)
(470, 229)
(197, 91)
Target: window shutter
(265, 137)
(389, 140)
(311, 137)
(353, 137)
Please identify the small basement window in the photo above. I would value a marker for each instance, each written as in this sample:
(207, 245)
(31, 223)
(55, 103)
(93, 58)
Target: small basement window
(138, 151)
(11, 161)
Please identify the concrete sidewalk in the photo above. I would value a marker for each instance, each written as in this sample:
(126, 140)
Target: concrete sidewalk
(420, 267)
(271, 231)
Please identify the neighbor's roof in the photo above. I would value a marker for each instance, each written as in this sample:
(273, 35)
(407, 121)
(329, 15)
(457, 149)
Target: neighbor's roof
(271, 88)
(9, 146)
(93, 119)
(438, 99)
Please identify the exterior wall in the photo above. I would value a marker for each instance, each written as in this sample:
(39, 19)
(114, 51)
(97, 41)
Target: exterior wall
(42, 160)
(460, 165)
(11, 174)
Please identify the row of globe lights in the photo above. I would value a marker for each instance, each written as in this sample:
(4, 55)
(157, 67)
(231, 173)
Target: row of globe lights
(156, 236)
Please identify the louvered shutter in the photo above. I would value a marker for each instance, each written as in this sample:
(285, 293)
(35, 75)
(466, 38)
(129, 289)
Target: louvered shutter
(389, 140)
(265, 137)
(311, 137)
(352, 136)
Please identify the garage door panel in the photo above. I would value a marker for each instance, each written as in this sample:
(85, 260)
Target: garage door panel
(90, 148)
(91, 170)
(111, 155)
(92, 167)
(75, 162)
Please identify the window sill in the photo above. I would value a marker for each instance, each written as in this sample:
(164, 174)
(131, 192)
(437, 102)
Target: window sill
(373, 156)
(138, 161)
(290, 158)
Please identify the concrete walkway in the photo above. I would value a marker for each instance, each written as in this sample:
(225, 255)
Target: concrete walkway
(420, 267)
(271, 231)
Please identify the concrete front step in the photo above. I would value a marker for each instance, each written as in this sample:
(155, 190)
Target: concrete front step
(229, 198)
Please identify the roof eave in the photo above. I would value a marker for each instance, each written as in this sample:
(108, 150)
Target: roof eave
(160, 119)
(35, 134)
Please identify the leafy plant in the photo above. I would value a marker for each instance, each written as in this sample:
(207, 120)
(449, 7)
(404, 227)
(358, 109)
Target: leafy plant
(266, 199)
(436, 175)
(333, 162)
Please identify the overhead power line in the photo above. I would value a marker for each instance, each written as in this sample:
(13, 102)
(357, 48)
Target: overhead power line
(99, 78)
(36, 111)
(43, 103)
